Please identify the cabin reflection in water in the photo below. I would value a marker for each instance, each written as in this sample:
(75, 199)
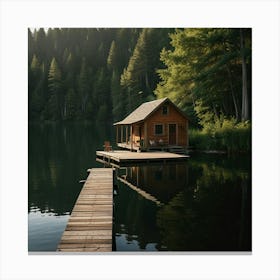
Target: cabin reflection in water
(159, 183)
(189, 206)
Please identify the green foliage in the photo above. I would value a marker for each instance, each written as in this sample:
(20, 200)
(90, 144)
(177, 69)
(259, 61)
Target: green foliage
(83, 87)
(71, 103)
(51, 110)
(139, 78)
(112, 57)
(54, 77)
(205, 66)
(204, 114)
(102, 113)
(36, 103)
(55, 89)
(35, 65)
(103, 74)
(75, 71)
(117, 100)
(222, 134)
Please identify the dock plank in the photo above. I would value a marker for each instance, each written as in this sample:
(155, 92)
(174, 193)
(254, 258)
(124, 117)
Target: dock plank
(89, 228)
(118, 157)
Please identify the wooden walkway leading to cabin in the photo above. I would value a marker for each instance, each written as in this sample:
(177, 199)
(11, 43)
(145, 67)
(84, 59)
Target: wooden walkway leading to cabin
(89, 228)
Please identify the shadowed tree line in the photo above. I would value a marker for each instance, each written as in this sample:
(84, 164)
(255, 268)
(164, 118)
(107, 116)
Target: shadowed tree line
(93, 74)
(103, 74)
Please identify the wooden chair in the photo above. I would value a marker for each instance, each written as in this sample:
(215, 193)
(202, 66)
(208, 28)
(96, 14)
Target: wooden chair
(107, 146)
(152, 142)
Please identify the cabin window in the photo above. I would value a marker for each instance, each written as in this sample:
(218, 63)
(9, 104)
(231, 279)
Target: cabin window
(158, 129)
(165, 110)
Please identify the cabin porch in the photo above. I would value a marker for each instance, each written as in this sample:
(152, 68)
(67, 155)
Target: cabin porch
(128, 146)
(167, 148)
(131, 136)
(134, 137)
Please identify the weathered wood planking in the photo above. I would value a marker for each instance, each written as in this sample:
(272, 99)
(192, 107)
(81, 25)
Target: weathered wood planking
(89, 228)
(118, 157)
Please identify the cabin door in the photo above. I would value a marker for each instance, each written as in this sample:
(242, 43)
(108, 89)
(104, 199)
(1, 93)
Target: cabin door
(172, 134)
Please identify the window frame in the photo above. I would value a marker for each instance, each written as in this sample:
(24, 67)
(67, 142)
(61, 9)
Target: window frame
(159, 124)
(167, 110)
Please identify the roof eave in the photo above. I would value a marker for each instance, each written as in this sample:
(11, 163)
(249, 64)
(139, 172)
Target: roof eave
(127, 123)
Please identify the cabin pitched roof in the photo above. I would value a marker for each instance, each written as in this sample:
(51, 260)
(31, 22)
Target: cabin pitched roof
(142, 112)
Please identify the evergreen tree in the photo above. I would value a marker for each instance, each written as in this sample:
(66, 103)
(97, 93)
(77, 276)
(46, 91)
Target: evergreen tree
(204, 71)
(89, 73)
(134, 78)
(56, 101)
(112, 57)
(83, 87)
(34, 73)
(102, 93)
(117, 100)
(139, 78)
(31, 46)
(71, 105)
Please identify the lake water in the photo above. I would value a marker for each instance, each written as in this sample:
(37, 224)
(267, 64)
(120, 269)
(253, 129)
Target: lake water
(203, 204)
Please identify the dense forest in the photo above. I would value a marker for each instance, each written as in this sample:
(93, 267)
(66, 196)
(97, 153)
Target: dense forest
(103, 74)
(94, 74)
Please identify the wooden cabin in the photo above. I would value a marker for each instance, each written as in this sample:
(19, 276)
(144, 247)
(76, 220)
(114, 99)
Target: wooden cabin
(154, 125)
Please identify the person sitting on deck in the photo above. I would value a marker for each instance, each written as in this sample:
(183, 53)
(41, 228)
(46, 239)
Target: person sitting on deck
(107, 146)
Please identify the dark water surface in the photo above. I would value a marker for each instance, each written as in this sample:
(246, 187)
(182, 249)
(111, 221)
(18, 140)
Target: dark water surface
(201, 205)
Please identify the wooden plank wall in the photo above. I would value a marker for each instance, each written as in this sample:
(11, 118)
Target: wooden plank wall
(89, 228)
(173, 117)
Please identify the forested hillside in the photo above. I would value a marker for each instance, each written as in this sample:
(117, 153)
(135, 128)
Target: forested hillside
(94, 74)
(103, 74)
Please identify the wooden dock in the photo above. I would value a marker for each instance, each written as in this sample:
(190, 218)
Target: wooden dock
(89, 228)
(120, 158)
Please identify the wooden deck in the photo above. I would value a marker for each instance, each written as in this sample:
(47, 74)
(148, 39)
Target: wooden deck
(119, 158)
(163, 148)
(128, 146)
(89, 228)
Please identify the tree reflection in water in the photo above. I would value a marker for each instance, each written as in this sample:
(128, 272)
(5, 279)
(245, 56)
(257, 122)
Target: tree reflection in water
(205, 205)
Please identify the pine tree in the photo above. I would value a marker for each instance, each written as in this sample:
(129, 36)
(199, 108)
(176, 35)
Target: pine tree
(55, 90)
(35, 65)
(102, 92)
(87, 63)
(204, 66)
(71, 104)
(134, 76)
(117, 100)
(139, 78)
(112, 57)
(83, 87)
